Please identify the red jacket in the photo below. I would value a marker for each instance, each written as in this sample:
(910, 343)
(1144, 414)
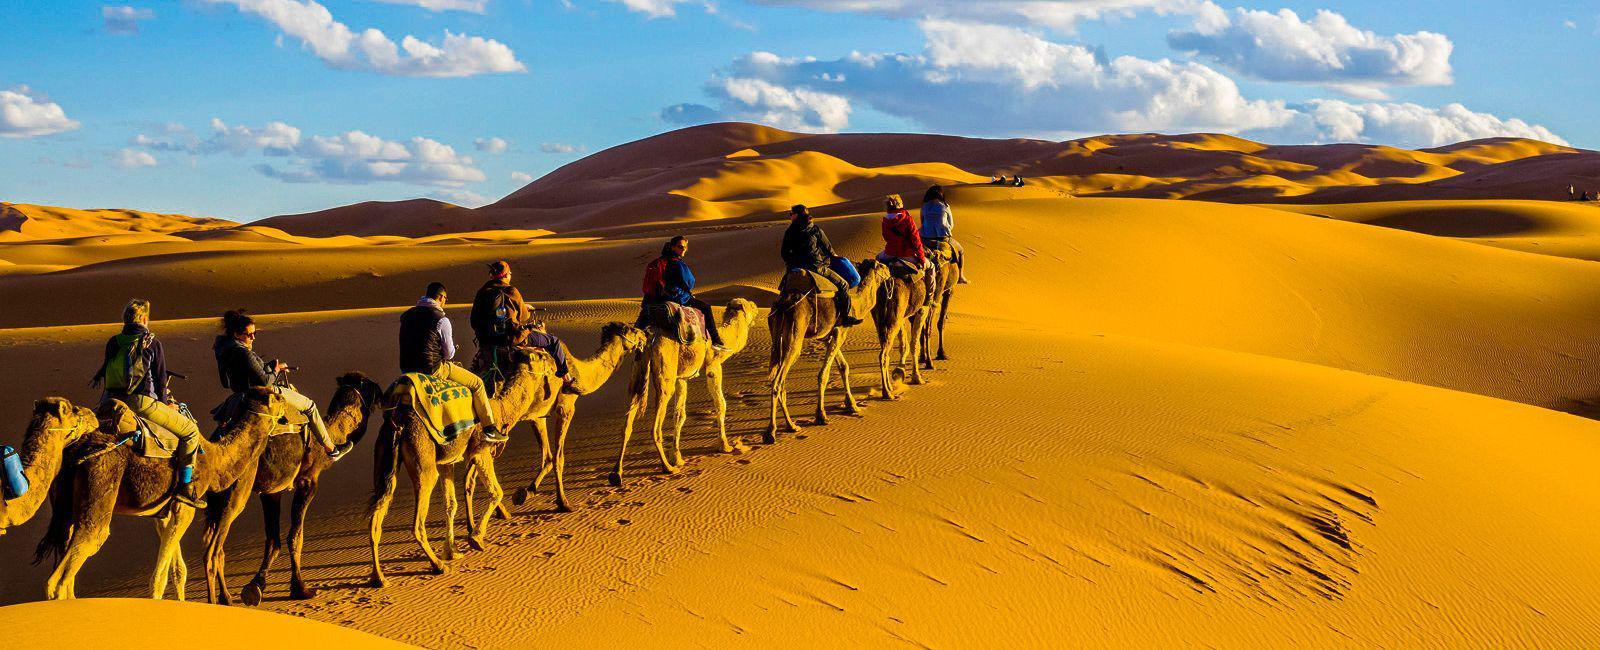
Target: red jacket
(900, 238)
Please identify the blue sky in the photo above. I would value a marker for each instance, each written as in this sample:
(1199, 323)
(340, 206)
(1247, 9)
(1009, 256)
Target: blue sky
(248, 108)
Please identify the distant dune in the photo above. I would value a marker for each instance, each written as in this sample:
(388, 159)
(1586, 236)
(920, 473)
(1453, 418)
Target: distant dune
(23, 222)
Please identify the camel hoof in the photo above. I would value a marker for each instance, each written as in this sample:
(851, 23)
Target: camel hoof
(768, 438)
(251, 595)
(377, 582)
(941, 357)
(563, 507)
(679, 461)
(739, 448)
(440, 569)
(821, 421)
(476, 544)
(615, 479)
(671, 469)
(519, 497)
(302, 592)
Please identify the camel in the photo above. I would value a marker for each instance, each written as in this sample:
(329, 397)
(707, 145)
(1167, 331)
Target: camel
(901, 318)
(666, 366)
(291, 462)
(56, 424)
(404, 439)
(946, 276)
(796, 318)
(101, 478)
(617, 341)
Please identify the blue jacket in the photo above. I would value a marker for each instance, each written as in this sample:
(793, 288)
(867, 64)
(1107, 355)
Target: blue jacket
(937, 221)
(679, 281)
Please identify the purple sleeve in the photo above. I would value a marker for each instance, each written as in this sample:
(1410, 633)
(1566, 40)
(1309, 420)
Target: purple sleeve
(447, 340)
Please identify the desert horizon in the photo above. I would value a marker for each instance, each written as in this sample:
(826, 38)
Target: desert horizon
(1299, 352)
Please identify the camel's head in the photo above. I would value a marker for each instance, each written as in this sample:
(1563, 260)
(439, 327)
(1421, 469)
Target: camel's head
(355, 386)
(872, 271)
(59, 417)
(740, 310)
(633, 338)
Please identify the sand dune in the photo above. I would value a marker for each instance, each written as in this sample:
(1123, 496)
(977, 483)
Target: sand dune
(23, 222)
(1166, 422)
(108, 622)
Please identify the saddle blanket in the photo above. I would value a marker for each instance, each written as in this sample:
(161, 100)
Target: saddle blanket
(685, 325)
(445, 408)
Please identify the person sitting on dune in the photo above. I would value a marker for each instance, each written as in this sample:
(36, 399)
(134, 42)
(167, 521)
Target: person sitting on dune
(901, 241)
(134, 372)
(427, 345)
(997, 180)
(938, 224)
(806, 247)
(240, 369)
(1017, 182)
(668, 279)
(501, 320)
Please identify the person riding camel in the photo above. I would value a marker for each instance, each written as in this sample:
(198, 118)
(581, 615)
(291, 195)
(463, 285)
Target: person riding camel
(938, 224)
(427, 346)
(134, 372)
(501, 321)
(668, 279)
(241, 369)
(901, 241)
(806, 247)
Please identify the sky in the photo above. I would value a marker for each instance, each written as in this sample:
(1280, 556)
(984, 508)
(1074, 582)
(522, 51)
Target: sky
(244, 109)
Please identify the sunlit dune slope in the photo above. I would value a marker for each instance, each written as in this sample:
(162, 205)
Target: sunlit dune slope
(141, 624)
(1552, 228)
(23, 222)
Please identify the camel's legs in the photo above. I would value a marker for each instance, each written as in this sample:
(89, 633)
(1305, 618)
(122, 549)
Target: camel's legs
(565, 409)
(913, 345)
(447, 474)
(944, 311)
(492, 481)
(825, 374)
(170, 529)
(424, 476)
(271, 512)
(666, 386)
(680, 415)
(547, 456)
(216, 553)
(720, 402)
(638, 401)
(180, 571)
(850, 407)
(304, 490)
(89, 532)
(886, 342)
(469, 489)
(379, 508)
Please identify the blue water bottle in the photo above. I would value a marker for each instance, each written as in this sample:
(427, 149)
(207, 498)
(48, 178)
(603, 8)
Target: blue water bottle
(186, 475)
(13, 483)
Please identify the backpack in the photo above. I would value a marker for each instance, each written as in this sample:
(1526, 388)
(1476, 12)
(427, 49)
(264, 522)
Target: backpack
(503, 317)
(655, 278)
(125, 370)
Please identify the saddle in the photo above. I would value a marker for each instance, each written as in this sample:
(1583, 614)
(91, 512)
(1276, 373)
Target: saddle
(685, 325)
(445, 408)
(939, 250)
(147, 438)
(798, 282)
(292, 421)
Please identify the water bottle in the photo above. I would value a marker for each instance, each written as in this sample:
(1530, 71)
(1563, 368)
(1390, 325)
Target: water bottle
(186, 475)
(13, 483)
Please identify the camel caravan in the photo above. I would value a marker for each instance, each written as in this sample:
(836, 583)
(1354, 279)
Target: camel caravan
(141, 453)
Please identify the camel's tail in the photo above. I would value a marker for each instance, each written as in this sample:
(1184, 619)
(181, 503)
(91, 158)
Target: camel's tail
(386, 460)
(641, 373)
(59, 532)
(786, 332)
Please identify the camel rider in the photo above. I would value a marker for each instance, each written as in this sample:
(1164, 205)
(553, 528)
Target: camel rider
(806, 247)
(668, 279)
(134, 372)
(500, 321)
(901, 241)
(937, 226)
(241, 369)
(427, 344)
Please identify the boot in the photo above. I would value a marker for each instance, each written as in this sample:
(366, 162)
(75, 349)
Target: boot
(320, 432)
(185, 489)
(846, 317)
(492, 433)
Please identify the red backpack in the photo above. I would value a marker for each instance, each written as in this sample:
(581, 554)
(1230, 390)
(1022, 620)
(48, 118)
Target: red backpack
(654, 277)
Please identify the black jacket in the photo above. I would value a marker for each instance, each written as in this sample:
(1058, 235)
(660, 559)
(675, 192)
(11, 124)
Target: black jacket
(421, 347)
(155, 364)
(239, 367)
(805, 246)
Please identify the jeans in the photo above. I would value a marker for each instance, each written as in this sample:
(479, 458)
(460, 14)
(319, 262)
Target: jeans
(549, 343)
(303, 404)
(456, 374)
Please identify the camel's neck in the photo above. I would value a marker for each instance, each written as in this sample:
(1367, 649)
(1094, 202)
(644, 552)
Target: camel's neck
(515, 398)
(594, 371)
(735, 332)
(238, 442)
(41, 461)
(347, 419)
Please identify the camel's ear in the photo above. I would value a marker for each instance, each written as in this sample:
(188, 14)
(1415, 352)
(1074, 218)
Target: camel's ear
(51, 405)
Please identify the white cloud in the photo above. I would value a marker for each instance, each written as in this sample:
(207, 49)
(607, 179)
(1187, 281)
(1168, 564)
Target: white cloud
(1403, 125)
(561, 148)
(463, 198)
(132, 159)
(1325, 49)
(353, 157)
(654, 8)
(491, 145)
(124, 19)
(521, 177)
(986, 79)
(473, 6)
(458, 55)
(28, 114)
(1062, 15)
(1569, 24)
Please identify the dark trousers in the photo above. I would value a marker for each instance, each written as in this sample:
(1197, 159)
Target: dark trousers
(841, 299)
(549, 343)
